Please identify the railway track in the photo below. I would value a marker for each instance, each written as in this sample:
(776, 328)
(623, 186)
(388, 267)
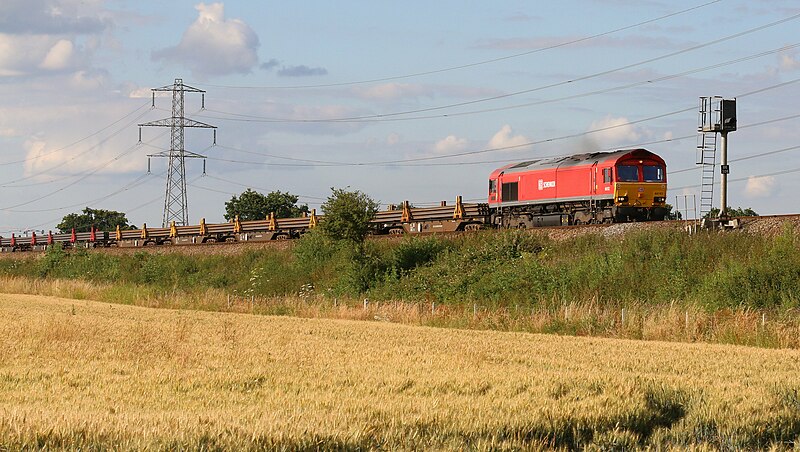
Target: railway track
(767, 225)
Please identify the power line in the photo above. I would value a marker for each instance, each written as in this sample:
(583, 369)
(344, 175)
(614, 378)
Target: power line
(741, 179)
(140, 180)
(13, 162)
(479, 63)
(748, 157)
(256, 188)
(577, 135)
(84, 175)
(73, 158)
(339, 164)
(393, 116)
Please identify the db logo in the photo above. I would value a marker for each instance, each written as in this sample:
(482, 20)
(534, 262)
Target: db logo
(546, 184)
(641, 189)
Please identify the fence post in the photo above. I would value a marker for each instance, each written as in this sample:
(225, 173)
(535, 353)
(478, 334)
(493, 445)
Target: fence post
(229, 301)
(433, 307)
(687, 322)
(366, 302)
(474, 310)
(252, 303)
(763, 320)
(622, 322)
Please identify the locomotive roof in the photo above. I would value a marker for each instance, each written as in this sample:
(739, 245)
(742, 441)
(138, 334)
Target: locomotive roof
(575, 160)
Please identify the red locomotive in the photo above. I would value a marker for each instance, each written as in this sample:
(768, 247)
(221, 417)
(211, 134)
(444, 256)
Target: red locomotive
(600, 187)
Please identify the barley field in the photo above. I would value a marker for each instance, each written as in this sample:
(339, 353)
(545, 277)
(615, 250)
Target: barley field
(78, 374)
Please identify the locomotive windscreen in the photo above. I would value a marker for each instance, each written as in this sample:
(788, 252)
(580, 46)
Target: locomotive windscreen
(628, 173)
(653, 173)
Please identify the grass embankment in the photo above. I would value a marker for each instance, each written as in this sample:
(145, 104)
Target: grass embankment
(86, 375)
(652, 284)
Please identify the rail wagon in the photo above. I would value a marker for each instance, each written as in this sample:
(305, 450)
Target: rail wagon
(599, 187)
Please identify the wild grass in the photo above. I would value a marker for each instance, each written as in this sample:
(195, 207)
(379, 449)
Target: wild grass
(673, 322)
(77, 374)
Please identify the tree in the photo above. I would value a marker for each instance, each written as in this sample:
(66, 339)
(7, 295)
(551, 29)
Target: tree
(347, 215)
(738, 212)
(252, 205)
(103, 220)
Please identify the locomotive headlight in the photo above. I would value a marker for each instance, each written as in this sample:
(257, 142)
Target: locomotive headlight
(659, 199)
(622, 199)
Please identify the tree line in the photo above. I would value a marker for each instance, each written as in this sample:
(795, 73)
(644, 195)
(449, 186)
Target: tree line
(343, 207)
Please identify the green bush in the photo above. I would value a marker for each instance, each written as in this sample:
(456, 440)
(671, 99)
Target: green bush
(491, 268)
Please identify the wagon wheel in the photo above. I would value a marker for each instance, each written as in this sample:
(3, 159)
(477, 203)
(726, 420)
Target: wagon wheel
(282, 237)
(396, 231)
(472, 227)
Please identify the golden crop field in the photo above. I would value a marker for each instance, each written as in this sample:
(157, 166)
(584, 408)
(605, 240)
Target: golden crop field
(89, 375)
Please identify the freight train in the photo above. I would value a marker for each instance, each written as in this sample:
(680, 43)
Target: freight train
(600, 187)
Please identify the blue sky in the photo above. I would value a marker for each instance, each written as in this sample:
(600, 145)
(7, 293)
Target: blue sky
(402, 100)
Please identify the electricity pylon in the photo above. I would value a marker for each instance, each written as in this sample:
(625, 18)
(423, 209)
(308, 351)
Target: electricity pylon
(175, 200)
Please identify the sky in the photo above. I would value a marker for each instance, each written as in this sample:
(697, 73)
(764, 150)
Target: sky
(410, 100)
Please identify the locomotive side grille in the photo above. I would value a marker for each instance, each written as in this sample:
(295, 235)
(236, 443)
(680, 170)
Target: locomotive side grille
(510, 191)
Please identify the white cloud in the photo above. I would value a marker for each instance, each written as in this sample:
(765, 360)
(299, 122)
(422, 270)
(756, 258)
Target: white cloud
(392, 91)
(505, 138)
(760, 187)
(451, 143)
(22, 55)
(213, 45)
(393, 139)
(88, 80)
(395, 91)
(59, 56)
(47, 158)
(614, 131)
(789, 62)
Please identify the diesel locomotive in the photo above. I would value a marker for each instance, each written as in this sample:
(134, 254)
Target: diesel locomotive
(600, 187)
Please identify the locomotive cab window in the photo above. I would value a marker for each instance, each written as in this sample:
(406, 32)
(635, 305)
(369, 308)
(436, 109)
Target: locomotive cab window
(492, 186)
(628, 173)
(606, 175)
(653, 173)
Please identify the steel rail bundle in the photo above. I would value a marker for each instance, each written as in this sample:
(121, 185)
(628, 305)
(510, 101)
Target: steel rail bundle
(396, 220)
